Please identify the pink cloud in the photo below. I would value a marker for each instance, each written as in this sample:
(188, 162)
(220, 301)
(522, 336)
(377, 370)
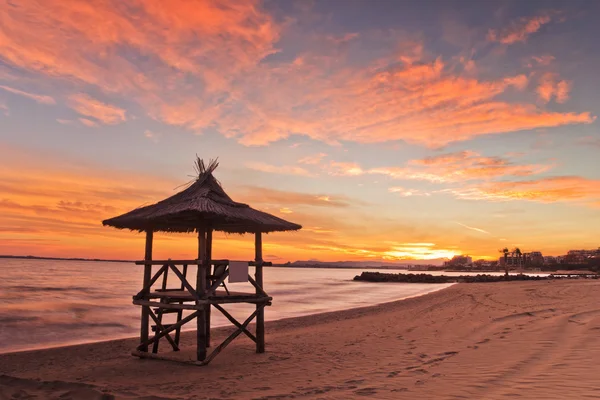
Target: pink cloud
(203, 66)
(543, 60)
(90, 107)
(519, 30)
(278, 169)
(313, 159)
(449, 167)
(42, 99)
(546, 190)
(88, 122)
(550, 86)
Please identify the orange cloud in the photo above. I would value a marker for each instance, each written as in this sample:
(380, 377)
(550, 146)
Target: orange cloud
(543, 60)
(449, 167)
(407, 192)
(550, 86)
(42, 99)
(519, 30)
(546, 190)
(152, 27)
(313, 159)
(279, 198)
(203, 65)
(418, 103)
(344, 169)
(66, 204)
(278, 169)
(90, 107)
(88, 122)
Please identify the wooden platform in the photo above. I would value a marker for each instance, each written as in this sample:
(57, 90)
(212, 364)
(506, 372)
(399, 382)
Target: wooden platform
(219, 297)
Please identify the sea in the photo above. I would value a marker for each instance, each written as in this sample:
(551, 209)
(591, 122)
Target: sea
(50, 303)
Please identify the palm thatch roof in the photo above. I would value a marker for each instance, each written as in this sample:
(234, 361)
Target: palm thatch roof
(203, 204)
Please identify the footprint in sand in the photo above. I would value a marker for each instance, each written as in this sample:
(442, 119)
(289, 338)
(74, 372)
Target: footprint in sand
(366, 391)
(354, 382)
(483, 341)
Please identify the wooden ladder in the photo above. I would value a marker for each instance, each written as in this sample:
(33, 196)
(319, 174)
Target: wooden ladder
(161, 311)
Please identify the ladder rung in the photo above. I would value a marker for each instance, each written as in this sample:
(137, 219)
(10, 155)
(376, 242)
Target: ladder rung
(166, 326)
(166, 310)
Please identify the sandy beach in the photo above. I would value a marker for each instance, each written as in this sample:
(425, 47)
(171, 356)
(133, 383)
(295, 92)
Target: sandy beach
(533, 340)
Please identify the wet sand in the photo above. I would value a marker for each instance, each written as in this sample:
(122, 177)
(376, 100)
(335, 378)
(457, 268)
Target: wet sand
(530, 340)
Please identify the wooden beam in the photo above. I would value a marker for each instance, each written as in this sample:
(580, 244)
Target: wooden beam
(259, 289)
(154, 279)
(233, 335)
(160, 329)
(260, 309)
(218, 282)
(186, 284)
(201, 290)
(235, 322)
(166, 306)
(208, 257)
(196, 262)
(147, 272)
(168, 330)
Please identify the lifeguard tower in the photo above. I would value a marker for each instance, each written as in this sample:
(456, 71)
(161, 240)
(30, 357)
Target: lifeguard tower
(201, 208)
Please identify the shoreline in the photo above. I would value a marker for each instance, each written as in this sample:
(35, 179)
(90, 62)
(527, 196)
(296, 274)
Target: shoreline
(217, 329)
(532, 339)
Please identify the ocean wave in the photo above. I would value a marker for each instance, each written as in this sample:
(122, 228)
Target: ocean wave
(17, 320)
(50, 288)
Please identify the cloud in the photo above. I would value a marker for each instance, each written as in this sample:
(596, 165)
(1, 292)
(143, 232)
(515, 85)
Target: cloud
(90, 107)
(88, 122)
(280, 198)
(42, 99)
(153, 136)
(589, 141)
(422, 103)
(448, 167)
(278, 169)
(519, 30)
(473, 228)
(313, 159)
(546, 190)
(345, 169)
(407, 192)
(550, 86)
(203, 65)
(543, 60)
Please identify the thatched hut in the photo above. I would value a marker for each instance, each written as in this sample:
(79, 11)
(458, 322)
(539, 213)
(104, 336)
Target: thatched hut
(202, 207)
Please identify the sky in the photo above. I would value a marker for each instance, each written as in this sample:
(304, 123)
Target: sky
(391, 130)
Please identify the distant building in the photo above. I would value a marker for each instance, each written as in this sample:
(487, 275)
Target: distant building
(459, 261)
(550, 260)
(533, 258)
(511, 260)
(580, 256)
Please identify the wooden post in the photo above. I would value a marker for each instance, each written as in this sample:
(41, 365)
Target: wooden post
(208, 257)
(260, 310)
(201, 289)
(147, 276)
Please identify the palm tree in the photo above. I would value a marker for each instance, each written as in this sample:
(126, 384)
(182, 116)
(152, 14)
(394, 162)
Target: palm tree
(505, 251)
(518, 253)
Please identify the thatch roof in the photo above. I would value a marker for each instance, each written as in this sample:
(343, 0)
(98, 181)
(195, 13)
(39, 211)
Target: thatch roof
(203, 204)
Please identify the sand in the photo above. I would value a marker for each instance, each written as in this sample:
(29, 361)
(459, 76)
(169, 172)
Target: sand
(529, 340)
